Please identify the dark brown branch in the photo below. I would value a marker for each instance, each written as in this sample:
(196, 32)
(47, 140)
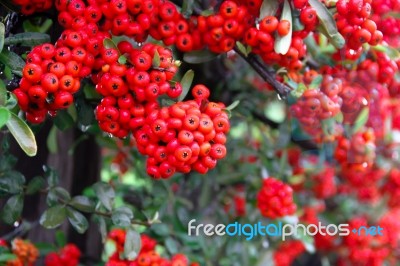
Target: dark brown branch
(269, 77)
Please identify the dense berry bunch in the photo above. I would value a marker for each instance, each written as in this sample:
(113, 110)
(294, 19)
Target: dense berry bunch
(359, 150)
(131, 91)
(354, 24)
(316, 105)
(67, 256)
(25, 251)
(275, 199)
(185, 136)
(389, 25)
(324, 185)
(392, 188)
(28, 7)
(287, 252)
(147, 255)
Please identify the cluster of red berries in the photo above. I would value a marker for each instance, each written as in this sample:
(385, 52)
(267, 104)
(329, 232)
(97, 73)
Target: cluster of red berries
(275, 199)
(352, 20)
(324, 184)
(147, 255)
(287, 252)
(358, 150)
(392, 188)
(131, 92)
(28, 7)
(364, 249)
(53, 73)
(26, 253)
(185, 136)
(67, 256)
(389, 25)
(316, 105)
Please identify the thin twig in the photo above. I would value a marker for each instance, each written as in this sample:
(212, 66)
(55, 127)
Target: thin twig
(260, 68)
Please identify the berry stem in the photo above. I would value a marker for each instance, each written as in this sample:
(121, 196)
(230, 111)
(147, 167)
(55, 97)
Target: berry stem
(260, 68)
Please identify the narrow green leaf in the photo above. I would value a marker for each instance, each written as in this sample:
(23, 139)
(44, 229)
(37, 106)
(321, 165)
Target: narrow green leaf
(35, 185)
(51, 141)
(122, 216)
(186, 82)
(11, 101)
(13, 61)
(63, 120)
(105, 193)
(316, 82)
(53, 217)
(51, 175)
(390, 51)
(77, 220)
(12, 209)
(361, 120)
(156, 59)
(2, 32)
(242, 48)
(61, 239)
(328, 23)
(282, 43)
(82, 203)
(132, 245)
(232, 105)
(7, 257)
(268, 8)
(171, 245)
(27, 39)
(198, 57)
(22, 134)
(187, 8)
(3, 93)
(4, 116)
(108, 43)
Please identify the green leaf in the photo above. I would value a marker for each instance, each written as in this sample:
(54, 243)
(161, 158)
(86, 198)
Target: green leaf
(156, 59)
(122, 216)
(242, 48)
(316, 82)
(51, 175)
(63, 120)
(35, 185)
(186, 82)
(11, 182)
(61, 239)
(232, 105)
(51, 141)
(3, 93)
(82, 203)
(53, 217)
(198, 57)
(77, 220)
(276, 111)
(11, 101)
(328, 23)
(27, 39)
(187, 8)
(171, 245)
(282, 43)
(7, 257)
(361, 120)
(102, 227)
(105, 193)
(390, 51)
(57, 195)
(4, 116)
(12, 209)
(108, 43)
(132, 245)
(122, 59)
(22, 134)
(85, 112)
(268, 8)
(13, 61)
(2, 32)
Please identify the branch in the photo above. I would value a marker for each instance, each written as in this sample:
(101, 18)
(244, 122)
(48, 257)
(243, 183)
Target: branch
(260, 68)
